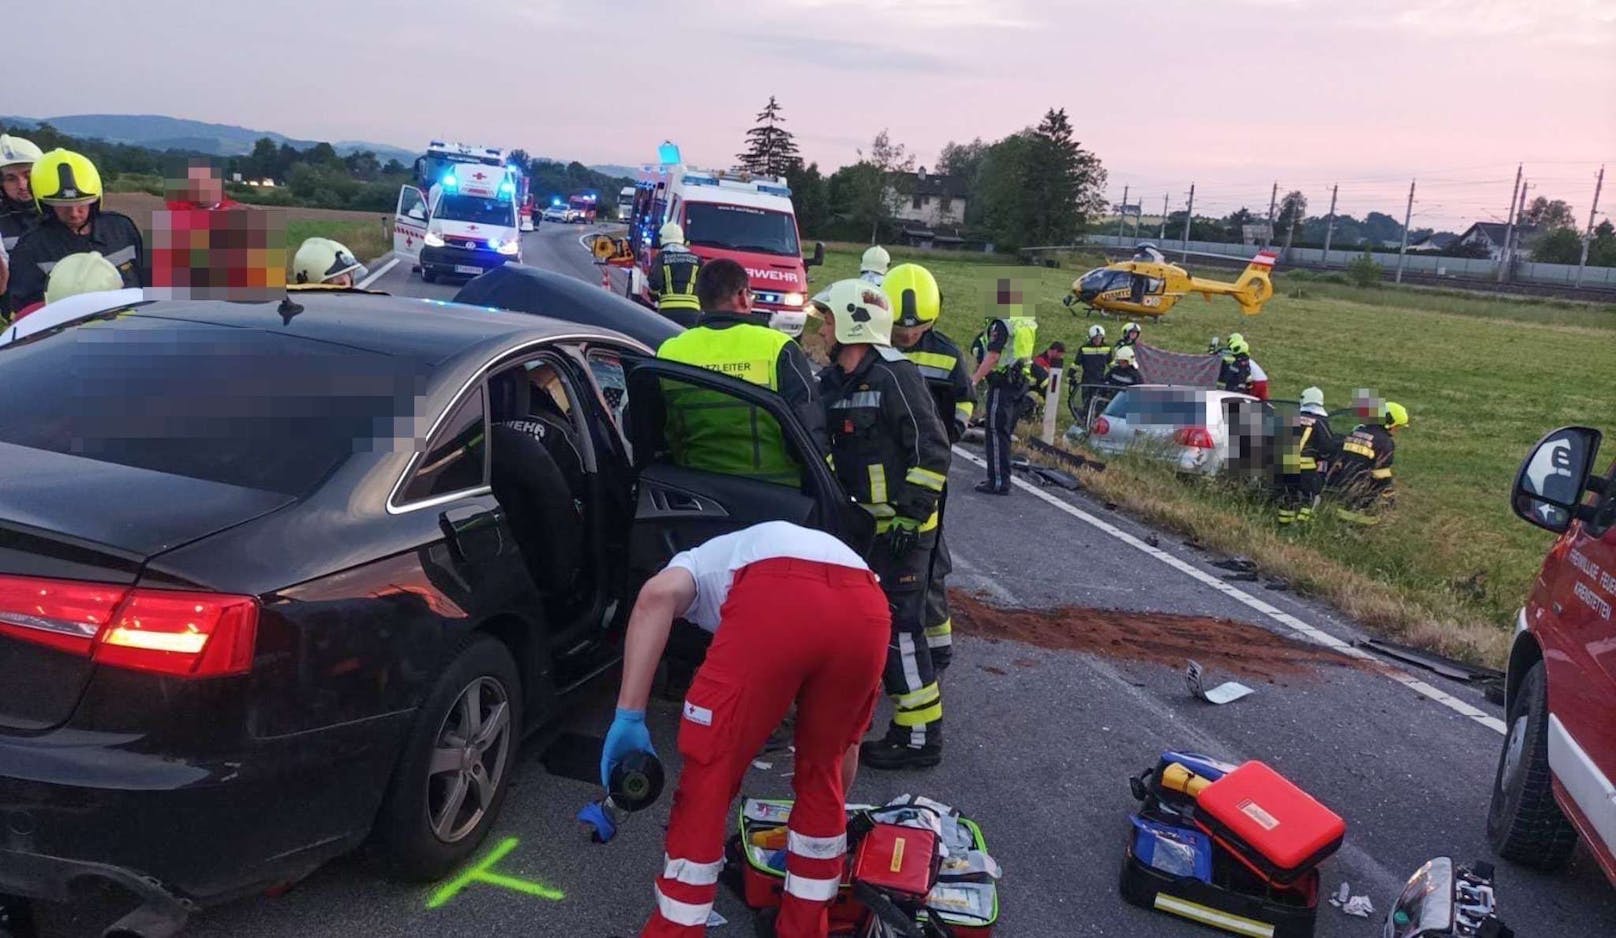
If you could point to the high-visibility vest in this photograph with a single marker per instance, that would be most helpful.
(713, 431)
(1018, 351)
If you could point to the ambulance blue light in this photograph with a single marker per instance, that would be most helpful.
(507, 188)
(668, 153)
(449, 180)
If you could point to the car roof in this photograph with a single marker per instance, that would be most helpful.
(539, 292)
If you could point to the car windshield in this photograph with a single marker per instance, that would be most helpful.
(477, 210)
(242, 407)
(1174, 407)
(739, 228)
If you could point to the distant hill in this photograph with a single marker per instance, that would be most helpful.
(160, 132)
(615, 169)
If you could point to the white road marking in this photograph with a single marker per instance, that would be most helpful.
(376, 274)
(1309, 632)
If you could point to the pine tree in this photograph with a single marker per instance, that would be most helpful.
(770, 148)
(1064, 182)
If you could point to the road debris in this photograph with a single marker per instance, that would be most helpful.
(1227, 692)
(1351, 904)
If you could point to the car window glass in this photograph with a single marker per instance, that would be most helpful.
(455, 461)
(607, 367)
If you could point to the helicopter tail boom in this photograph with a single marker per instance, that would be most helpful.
(1251, 289)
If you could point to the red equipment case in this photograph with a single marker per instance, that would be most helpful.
(1276, 829)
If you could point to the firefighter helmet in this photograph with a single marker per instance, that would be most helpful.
(912, 291)
(1123, 355)
(18, 151)
(62, 177)
(1096, 331)
(861, 312)
(1238, 344)
(88, 272)
(1394, 415)
(320, 260)
(671, 233)
(1312, 397)
(1130, 327)
(875, 260)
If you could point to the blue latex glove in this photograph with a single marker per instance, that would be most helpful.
(628, 734)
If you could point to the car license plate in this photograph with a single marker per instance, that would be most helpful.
(468, 269)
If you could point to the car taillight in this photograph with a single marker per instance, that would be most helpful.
(1102, 426)
(1195, 438)
(181, 634)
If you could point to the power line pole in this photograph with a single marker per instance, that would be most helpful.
(1329, 226)
(1122, 215)
(1592, 214)
(1509, 228)
(1408, 216)
(1189, 215)
(1290, 233)
(1273, 199)
(1162, 237)
(1516, 230)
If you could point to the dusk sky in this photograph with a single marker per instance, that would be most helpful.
(1228, 94)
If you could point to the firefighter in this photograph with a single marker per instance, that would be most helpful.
(1130, 335)
(891, 453)
(19, 213)
(798, 617)
(1363, 472)
(1235, 375)
(1011, 337)
(673, 277)
(1124, 371)
(916, 302)
(1313, 446)
(712, 431)
(1093, 359)
(873, 265)
(322, 262)
(69, 185)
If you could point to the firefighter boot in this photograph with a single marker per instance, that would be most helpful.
(893, 751)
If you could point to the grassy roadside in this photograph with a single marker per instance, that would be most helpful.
(1483, 378)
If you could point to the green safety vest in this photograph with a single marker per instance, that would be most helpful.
(713, 431)
(1019, 350)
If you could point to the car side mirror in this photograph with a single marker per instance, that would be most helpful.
(819, 255)
(1553, 477)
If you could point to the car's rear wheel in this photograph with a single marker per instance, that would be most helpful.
(455, 768)
(1523, 822)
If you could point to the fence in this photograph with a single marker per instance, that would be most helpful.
(1457, 268)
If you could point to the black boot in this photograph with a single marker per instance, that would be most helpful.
(893, 752)
(988, 488)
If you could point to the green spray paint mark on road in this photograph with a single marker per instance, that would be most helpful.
(481, 872)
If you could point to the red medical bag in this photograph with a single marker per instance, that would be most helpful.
(899, 861)
(1267, 823)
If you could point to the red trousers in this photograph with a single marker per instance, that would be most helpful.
(793, 630)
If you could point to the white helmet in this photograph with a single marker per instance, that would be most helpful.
(1123, 356)
(81, 273)
(875, 260)
(861, 312)
(1096, 331)
(16, 151)
(1313, 397)
(320, 260)
(671, 233)
(1130, 327)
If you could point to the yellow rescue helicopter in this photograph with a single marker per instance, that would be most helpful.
(1147, 285)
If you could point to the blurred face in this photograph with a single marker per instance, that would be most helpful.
(827, 328)
(74, 217)
(341, 280)
(907, 336)
(14, 180)
(202, 187)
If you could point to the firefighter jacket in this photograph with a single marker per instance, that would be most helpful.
(1124, 376)
(16, 220)
(1318, 443)
(1235, 375)
(713, 431)
(948, 378)
(1093, 360)
(1364, 469)
(887, 446)
(112, 235)
(673, 280)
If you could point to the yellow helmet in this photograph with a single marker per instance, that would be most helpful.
(875, 260)
(18, 151)
(1238, 345)
(862, 314)
(62, 177)
(321, 259)
(88, 272)
(1394, 415)
(913, 292)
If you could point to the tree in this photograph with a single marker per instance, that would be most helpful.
(262, 162)
(883, 193)
(363, 164)
(1001, 192)
(810, 198)
(1064, 182)
(770, 148)
(1363, 271)
(1291, 208)
(1548, 215)
(1560, 246)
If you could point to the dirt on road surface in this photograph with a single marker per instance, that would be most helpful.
(1222, 645)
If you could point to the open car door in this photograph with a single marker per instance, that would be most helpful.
(409, 223)
(679, 507)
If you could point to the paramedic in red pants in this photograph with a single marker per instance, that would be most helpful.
(796, 616)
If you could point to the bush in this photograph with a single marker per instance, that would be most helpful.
(1363, 271)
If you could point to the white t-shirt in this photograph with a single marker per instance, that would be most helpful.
(713, 564)
(1257, 374)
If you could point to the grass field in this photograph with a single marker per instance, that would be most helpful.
(360, 231)
(1483, 377)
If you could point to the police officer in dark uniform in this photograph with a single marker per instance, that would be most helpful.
(890, 451)
(1011, 338)
(673, 277)
(19, 213)
(917, 302)
(68, 188)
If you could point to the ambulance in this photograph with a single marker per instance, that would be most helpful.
(466, 223)
(726, 214)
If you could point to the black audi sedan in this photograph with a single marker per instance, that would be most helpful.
(277, 579)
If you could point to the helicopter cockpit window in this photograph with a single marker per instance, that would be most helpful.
(1104, 280)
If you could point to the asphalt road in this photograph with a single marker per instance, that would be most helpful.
(1040, 744)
